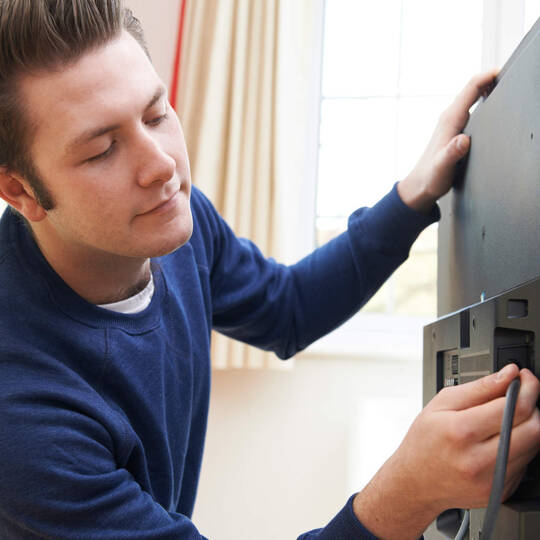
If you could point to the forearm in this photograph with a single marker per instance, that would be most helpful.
(285, 309)
(391, 507)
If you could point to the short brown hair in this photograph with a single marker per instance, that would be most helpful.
(37, 35)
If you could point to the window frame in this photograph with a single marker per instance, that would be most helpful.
(370, 335)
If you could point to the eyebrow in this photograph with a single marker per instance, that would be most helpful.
(92, 133)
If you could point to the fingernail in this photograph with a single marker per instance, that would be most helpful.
(503, 372)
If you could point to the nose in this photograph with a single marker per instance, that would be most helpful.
(153, 163)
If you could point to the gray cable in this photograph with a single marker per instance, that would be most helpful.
(464, 527)
(500, 464)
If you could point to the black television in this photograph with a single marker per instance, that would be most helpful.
(489, 234)
(489, 266)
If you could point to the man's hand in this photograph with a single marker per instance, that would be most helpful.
(432, 176)
(447, 458)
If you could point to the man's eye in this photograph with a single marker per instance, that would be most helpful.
(103, 155)
(156, 121)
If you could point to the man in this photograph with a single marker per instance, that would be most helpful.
(114, 269)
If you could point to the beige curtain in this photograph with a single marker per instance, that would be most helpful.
(244, 87)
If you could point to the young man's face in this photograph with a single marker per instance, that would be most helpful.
(110, 150)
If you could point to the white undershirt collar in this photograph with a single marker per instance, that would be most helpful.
(133, 304)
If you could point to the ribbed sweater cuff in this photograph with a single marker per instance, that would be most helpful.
(346, 526)
(392, 219)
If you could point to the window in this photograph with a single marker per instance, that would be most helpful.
(371, 133)
(532, 12)
(389, 70)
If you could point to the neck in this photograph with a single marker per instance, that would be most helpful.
(97, 276)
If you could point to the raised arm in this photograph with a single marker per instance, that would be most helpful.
(284, 309)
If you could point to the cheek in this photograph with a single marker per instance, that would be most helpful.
(107, 185)
(178, 147)
(95, 209)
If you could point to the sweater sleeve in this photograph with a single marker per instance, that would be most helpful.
(344, 526)
(285, 308)
(63, 477)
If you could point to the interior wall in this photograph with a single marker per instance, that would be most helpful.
(159, 20)
(285, 449)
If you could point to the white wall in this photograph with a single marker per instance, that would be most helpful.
(159, 19)
(285, 449)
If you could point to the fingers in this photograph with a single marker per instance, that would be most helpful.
(475, 393)
(478, 463)
(456, 115)
(515, 472)
(524, 440)
(458, 433)
(475, 88)
(527, 397)
(511, 485)
(524, 445)
(518, 465)
(485, 420)
(454, 151)
(432, 176)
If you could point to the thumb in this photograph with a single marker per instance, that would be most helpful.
(476, 392)
(455, 150)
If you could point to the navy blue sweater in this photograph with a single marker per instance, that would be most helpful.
(103, 415)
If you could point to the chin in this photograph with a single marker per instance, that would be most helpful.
(172, 241)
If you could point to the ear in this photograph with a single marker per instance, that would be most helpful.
(17, 193)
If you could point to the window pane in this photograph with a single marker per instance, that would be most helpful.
(441, 43)
(361, 47)
(411, 58)
(415, 282)
(412, 289)
(328, 228)
(532, 12)
(357, 154)
(417, 118)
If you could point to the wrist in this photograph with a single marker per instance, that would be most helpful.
(391, 508)
(415, 195)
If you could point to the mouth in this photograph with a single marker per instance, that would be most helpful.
(164, 206)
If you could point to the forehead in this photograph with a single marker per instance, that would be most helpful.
(113, 80)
